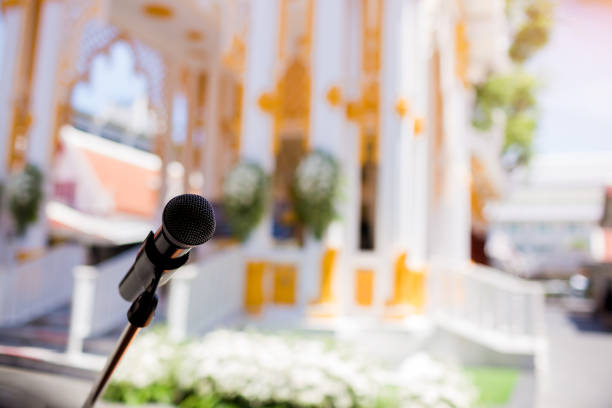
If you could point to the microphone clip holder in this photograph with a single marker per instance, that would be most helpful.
(139, 315)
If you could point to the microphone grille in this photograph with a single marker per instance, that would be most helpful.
(190, 219)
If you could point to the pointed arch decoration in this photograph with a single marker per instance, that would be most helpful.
(293, 89)
(462, 45)
(233, 61)
(88, 36)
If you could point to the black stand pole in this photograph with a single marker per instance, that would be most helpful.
(139, 316)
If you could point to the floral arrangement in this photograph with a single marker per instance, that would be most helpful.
(315, 189)
(250, 369)
(23, 193)
(245, 198)
(145, 373)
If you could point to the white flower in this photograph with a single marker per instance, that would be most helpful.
(242, 183)
(148, 360)
(316, 176)
(429, 382)
(305, 372)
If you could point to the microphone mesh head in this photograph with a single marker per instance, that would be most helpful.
(190, 219)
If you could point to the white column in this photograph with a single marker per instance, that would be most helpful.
(44, 87)
(188, 146)
(256, 143)
(419, 88)
(420, 199)
(43, 105)
(455, 216)
(12, 21)
(395, 129)
(350, 157)
(83, 297)
(395, 143)
(211, 134)
(327, 124)
(178, 302)
(165, 144)
(328, 70)
(257, 126)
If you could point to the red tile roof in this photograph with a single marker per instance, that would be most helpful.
(133, 188)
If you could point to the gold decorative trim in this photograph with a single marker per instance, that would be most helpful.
(334, 96)
(6, 4)
(462, 45)
(419, 126)
(22, 117)
(267, 102)
(234, 59)
(293, 86)
(194, 35)
(157, 10)
(354, 111)
(372, 13)
(402, 107)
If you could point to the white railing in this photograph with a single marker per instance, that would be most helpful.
(502, 311)
(32, 288)
(205, 293)
(96, 304)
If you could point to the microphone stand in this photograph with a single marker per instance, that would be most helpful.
(139, 315)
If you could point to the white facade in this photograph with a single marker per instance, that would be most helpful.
(378, 84)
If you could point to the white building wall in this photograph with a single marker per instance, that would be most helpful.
(257, 126)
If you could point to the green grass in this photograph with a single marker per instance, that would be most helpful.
(495, 384)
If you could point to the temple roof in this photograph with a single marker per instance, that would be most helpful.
(103, 191)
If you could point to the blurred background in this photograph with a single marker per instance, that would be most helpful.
(413, 200)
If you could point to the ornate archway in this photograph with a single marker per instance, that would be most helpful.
(90, 37)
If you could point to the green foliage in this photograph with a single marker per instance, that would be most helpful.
(514, 95)
(214, 401)
(495, 385)
(24, 194)
(245, 193)
(534, 33)
(315, 190)
(131, 395)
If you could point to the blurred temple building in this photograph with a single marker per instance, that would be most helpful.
(549, 224)
(383, 86)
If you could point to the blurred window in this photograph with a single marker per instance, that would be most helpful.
(112, 100)
(291, 150)
(367, 225)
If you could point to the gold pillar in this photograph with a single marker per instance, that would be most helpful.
(254, 292)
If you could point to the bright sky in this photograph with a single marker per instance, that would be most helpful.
(112, 79)
(576, 74)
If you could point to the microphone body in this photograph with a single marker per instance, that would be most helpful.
(188, 220)
(155, 254)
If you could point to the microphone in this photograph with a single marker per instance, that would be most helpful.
(188, 220)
